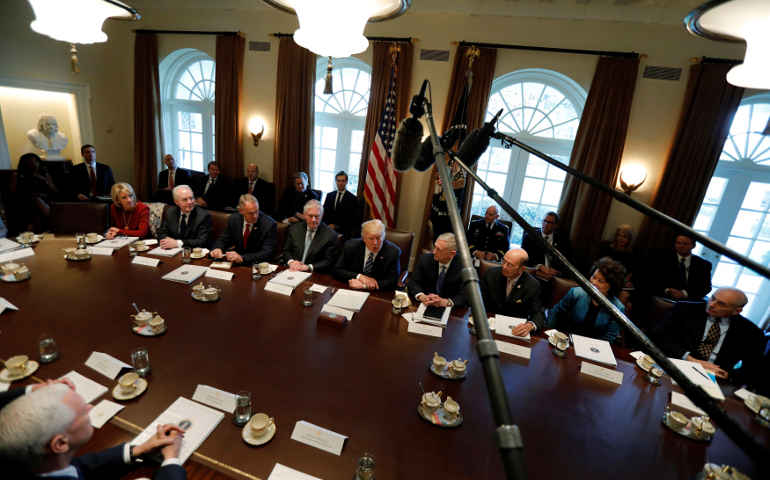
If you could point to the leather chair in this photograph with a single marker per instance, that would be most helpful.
(282, 228)
(404, 241)
(218, 223)
(72, 217)
(559, 288)
(507, 223)
(485, 265)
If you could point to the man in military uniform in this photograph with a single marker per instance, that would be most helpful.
(488, 237)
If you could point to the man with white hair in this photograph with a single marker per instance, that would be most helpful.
(185, 224)
(511, 291)
(41, 431)
(311, 246)
(369, 262)
(436, 279)
(250, 236)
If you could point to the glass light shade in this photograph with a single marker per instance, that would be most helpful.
(736, 21)
(256, 125)
(77, 21)
(632, 177)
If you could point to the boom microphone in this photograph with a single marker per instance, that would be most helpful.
(477, 142)
(406, 145)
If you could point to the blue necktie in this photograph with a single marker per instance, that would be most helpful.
(369, 265)
(440, 279)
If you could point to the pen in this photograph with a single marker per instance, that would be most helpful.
(701, 373)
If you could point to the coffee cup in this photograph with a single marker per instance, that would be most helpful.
(704, 425)
(264, 268)
(197, 251)
(142, 317)
(17, 364)
(128, 382)
(260, 423)
(451, 406)
(9, 267)
(210, 293)
(560, 337)
(439, 362)
(199, 288)
(646, 362)
(92, 237)
(157, 324)
(26, 237)
(677, 419)
(458, 366)
(431, 400)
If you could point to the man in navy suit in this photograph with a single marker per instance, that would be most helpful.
(170, 178)
(546, 267)
(311, 246)
(436, 279)
(91, 179)
(214, 190)
(251, 237)
(42, 430)
(185, 224)
(680, 274)
(369, 262)
(341, 210)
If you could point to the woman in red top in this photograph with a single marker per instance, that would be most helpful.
(128, 216)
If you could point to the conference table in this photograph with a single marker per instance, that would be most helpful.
(362, 380)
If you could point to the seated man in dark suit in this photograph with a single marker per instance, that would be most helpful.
(680, 274)
(488, 237)
(213, 192)
(546, 267)
(91, 179)
(369, 262)
(509, 290)
(717, 337)
(311, 246)
(294, 199)
(41, 431)
(251, 237)
(341, 208)
(170, 178)
(186, 224)
(253, 185)
(436, 278)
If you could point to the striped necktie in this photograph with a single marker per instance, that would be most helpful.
(369, 265)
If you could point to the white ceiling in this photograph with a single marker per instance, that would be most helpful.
(670, 12)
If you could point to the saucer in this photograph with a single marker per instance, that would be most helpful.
(141, 386)
(251, 439)
(5, 375)
(756, 402)
(73, 258)
(440, 418)
(143, 248)
(641, 365)
(201, 298)
(202, 255)
(99, 238)
(12, 278)
(33, 240)
(147, 331)
(447, 373)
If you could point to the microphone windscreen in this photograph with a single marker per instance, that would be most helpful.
(474, 145)
(426, 159)
(406, 145)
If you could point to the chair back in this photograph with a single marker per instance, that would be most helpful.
(559, 288)
(72, 217)
(404, 241)
(485, 265)
(218, 223)
(507, 223)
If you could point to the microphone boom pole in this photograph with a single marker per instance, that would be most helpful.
(508, 437)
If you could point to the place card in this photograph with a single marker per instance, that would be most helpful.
(150, 241)
(424, 329)
(282, 472)
(408, 316)
(85, 387)
(215, 397)
(5, 304)
(278, 288)
(219, 274)
(102, 412)
(513, 349)
(337, 311)
(637, 354)
(683, 403)
(23, 253)
(601, 373)
(107, 365)
(4, 386)
(315, 436)
(223, 265)
(150, 262)
(742, 393)
(164, 252)
(490, 322)
(318, 288)
(100, 251)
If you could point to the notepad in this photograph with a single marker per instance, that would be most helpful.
(163, 252)
(185, 274)
(291, 279)
(504, 326)
(117, 242)
(349, 299)
(699, 376)
(595, 350)
(150, 262)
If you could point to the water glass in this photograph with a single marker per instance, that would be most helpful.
(140, 359)
(365, 470)
(47, 348)
(308, 298)
(186, 255)
(255, 272)
(242, 408)
(80, 239)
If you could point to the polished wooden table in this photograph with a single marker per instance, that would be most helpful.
(360, 380)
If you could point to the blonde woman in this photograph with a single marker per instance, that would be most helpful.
(128, 216)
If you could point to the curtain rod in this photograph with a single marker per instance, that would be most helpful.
(715, 60)
(374, 39)
(185, 32)
(551, 49)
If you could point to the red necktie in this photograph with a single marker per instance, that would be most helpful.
(246, 235)
(93, 180)
(171, 179)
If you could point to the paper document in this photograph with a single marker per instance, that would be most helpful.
(318, 437)
(117, 242)
(99, 251)
(425, 329)
(4, 386)
(318, 288)
(105, 364)
(595, 350)
(504, 326)
(150, 262)
(431, 315)
(23, 253)
(349, 299)
(162, 252)
(278, 288)
(202, 421)
(212, 273)
(7, 244)
(102, 412)
(222, 265)
(291, 279)
(185, 274)
(282, 472)
(681, 402)
(490, 322)
(5, 304)
(742, 393)
(215, 397)
(699, 376)
(87, 388)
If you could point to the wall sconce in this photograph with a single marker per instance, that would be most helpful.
(632, 177)
(256, 129)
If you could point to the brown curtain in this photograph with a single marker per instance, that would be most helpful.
(709, 106)
(148, 136)
(228, 110)
(483, 69)
(381, 62)
(293, 112)
(597, 151)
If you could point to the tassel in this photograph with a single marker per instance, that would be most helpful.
(74, 58)
(328, 86)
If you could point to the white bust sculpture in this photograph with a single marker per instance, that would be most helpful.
(48, 138)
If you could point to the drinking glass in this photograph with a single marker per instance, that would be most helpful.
(47, 348)
(255, 272)
(80, 239)
(308, 298)
(140, 359)
(242, 408)
(186, 255)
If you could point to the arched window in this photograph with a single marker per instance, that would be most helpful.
(339, 122)
(541, 108)
(736, 209)
(187, 79)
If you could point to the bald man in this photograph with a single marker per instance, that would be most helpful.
(488, 237)
(509, 290)
(717, 337)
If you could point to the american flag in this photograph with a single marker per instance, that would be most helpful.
(380, 190)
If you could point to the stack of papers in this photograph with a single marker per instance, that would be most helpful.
(14, 254)
(6, 244)
(592, 349)
(352, 300)
(185, 274)
(432, 315)
(162, 252)
(290, 279)
(202, 421)
(117, 242)
(699, 376)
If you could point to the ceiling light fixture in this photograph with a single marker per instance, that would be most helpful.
(335, 28)
(737, 21)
